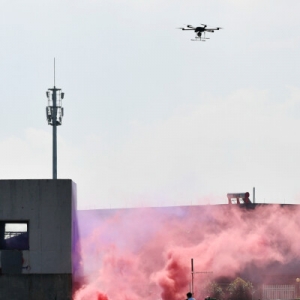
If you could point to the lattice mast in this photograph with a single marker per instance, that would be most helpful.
(54, 113)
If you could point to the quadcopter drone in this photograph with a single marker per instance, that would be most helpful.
(199, 31)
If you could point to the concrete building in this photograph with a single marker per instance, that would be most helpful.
(38, 234)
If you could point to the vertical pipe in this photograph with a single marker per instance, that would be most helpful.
(54, 160)
(192, 268)
(2, 235)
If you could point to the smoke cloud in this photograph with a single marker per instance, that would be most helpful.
(145, 253)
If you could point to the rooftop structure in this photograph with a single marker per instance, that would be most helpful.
(38, 232)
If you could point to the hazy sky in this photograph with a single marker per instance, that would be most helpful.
(152, 118)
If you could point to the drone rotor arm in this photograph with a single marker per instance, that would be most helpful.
(209, 29)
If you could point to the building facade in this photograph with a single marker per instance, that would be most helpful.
(38, 236)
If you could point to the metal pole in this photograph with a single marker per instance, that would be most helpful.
(54, 116)
(192, 267)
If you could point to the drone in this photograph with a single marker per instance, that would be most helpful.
(199, 31)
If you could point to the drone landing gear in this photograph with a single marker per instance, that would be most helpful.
(198, 39)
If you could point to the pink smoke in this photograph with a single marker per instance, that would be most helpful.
(146, 253)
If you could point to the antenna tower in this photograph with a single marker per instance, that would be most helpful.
(54, 113)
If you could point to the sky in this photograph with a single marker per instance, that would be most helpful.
(152, 118)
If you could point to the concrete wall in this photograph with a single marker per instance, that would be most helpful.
(36, 287)
(49, 206)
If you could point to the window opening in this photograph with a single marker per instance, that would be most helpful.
(14, 235)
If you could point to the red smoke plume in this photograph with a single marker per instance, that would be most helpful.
(146, 253)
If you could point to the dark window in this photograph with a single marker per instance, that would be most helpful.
(14, 235)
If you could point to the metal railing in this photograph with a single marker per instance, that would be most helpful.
(278, 291)
(10, 234)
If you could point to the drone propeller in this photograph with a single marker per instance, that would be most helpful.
(217, 28)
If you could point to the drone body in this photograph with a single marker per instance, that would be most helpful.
(199, 31)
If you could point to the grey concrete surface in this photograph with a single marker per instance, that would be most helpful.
(49, 207)
(36, 287)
